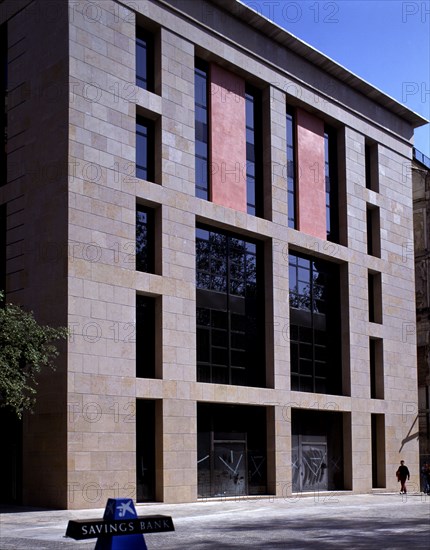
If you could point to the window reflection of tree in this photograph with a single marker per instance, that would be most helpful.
(230, 315)
(226, 264)
(144, 239)
(314, 325)
(312, 295)
(141, 240)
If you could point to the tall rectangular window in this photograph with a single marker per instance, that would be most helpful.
(3, 100)
(201, 130)
(378, 450)
(373, 231)
(144, 59)
(315, 334)
(331, 184)
(145, 337)
(230, 309)
(372, 168)
(376, 360)
(374, 288)
(144, 149)
(254, 184)
(146, 449)
(145, 239)
(291, 169)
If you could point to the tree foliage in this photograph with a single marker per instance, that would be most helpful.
(25, 349)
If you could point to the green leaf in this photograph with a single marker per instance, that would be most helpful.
(26, 348)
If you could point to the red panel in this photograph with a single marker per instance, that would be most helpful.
(227, 139)
(311, 175)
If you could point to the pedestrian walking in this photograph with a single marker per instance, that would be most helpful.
(425, 476)
(402, 474)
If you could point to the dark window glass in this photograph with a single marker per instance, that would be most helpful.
(144, 239)
(145, 450)
(144, 59)
(201, 130)
(144, 149)
(373, 369)
(254, 185)
(371, 297)
(373, 231)
(378, 450)
(3, 248)
(291, 169)
(314, 325)
(374, 297)
(230, 309)
(370, 232)
(331, 187)
(145, 337)
(3, 100)
(371, 166)
(368, 161)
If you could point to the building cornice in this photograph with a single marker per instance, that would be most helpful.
(320, 60)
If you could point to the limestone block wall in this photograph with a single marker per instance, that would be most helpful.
(102, 212)
(101, 274)
(87, 409)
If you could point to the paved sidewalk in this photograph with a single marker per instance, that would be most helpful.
(332, 521)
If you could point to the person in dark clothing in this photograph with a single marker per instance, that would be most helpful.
(402, 474)
(425, 475)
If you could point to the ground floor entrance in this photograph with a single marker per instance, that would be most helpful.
(309, 461)
(10, 458)
(235, 450)
(232, 455)
(317, 455)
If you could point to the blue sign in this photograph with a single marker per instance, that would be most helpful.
(121, 509)
(121, 528)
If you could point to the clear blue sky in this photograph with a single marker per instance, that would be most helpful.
(385, 42)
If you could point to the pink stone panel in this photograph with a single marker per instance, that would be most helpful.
(227, 143)
(311, 174)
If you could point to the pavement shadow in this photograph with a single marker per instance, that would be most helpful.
(318, 534)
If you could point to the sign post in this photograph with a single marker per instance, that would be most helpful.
(121, 528)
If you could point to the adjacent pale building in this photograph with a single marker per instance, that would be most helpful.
(223, 217)
(421, 196)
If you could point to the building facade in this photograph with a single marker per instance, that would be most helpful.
(421, 195)
(220, 215)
